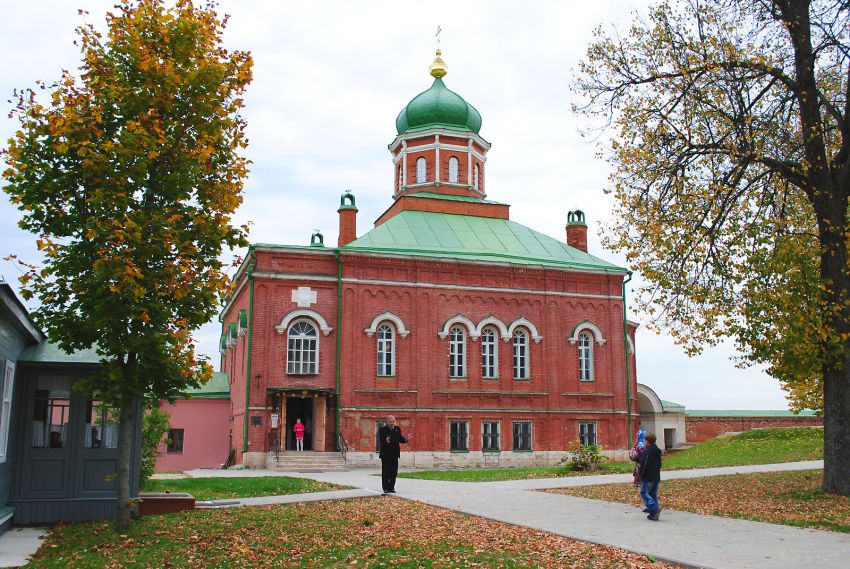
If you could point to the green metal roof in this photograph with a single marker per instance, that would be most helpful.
(671, 404)
(470, 238)
(51, 353)
(218, 387)
(451, 198)
(438, 107)
(748, 413)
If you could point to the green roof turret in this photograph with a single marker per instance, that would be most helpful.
(347, 197)
(438, 107)
(575, 217)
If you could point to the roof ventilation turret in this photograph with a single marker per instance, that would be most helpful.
(576, 230)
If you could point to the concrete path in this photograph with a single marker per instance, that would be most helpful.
(17, 544)
(690, 540)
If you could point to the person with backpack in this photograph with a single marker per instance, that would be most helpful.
(649, 469)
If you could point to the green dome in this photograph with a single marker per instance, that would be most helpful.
(438, 107)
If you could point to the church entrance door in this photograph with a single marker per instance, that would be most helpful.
(299, 408)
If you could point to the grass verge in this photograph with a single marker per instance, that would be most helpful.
(246, 487)
(373, 532)
(762, 446)
(787, 498)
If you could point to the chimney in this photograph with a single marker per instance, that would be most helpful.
(347, 219)
(577, 230)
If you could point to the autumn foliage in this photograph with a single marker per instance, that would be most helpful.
(731, 155)
(129, 173)
(367, 532)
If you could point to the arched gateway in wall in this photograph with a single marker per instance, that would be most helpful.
(665, 419)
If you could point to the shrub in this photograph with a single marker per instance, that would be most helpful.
(580, 457)
(155, 425)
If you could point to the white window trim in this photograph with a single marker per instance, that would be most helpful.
(587, 325)
(462, 356)
(454, 179)
(493, 321)
(498, 435)
(530, 435)
(595, 431)
(524, 323)
(397, 321)
(318, 350)
(424, 170)
(495, 374)
(6, 390)
(466, 442)
(458, 319)
(591, 375)
(283, 327)
(391, 351)
(526, 368)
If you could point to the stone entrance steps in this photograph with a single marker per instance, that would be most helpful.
(308, 461)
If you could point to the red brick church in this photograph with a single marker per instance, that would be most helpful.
(491, 342)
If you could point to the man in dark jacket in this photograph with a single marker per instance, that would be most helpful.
(390, 437)
(650, 474)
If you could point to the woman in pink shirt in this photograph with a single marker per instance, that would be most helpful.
(299, 435)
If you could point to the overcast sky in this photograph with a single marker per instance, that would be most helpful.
(329, 80)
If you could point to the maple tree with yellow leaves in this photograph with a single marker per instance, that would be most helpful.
(731, 148)
(130, 174)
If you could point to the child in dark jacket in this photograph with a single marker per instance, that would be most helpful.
(649, 470)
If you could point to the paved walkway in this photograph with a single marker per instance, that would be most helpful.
(690, 540)
(17, 544)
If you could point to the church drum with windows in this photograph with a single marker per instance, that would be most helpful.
(491, 342)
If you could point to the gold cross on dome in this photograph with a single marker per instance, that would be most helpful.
(439, 29)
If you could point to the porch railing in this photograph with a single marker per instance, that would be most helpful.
(273, 444)
(342, 446)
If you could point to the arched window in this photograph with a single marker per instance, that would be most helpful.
(475, 179)
(585, 357)
(489, 354)
(386, 350)
(520, 355)
(457, 352)
(453, 166)
(420, 170)
(302, 354)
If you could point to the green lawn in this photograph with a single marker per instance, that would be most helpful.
(242, 487)
(788, 498)
(763, 446)
(371, 532)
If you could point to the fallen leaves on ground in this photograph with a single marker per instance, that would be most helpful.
(371, 532)
(788, 498)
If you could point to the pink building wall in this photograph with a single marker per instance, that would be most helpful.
(206, 434)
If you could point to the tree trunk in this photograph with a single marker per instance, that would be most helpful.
(836, 433)
(836, 361)
(126, 430)
(829, 198)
